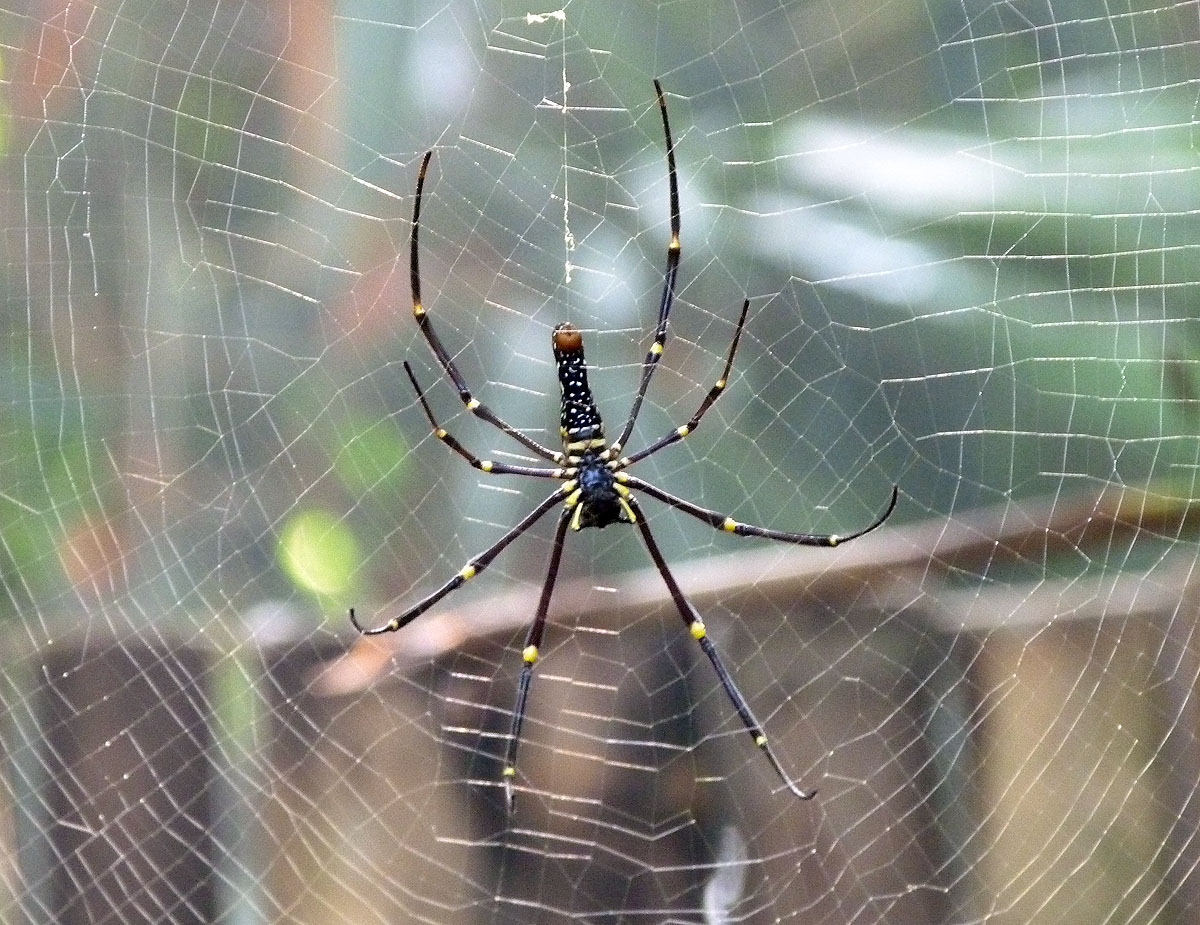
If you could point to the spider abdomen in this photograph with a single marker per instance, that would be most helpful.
(579, 423)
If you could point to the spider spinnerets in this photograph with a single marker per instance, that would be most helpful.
(595, 490)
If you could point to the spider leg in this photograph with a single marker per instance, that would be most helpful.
(468, 571)
(696, 627)
(473, 404)
(713, 394)
(529, 653)
(668, 292)
(484, 465)
(722, 522)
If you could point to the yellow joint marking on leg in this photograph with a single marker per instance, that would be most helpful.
(573, 493)
(683, 430)
(485, 465)
(530, 654)
(393, 625)
(472, 404)
(834, 539)
(696, 628)
(615, 449)
(656, 349)
(626, 508)
(440, 433)
(720, 384)
(730, 524)
(760, 740)
(674, 242)
(417, 309)
(468, 572)
(575, 523)
(621, 476)
(509, 771)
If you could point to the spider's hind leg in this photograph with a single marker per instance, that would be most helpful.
(529, 654)
(696, 627)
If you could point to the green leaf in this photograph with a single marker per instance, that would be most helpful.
(319, 553)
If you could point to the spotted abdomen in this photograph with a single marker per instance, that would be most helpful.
(579, 423)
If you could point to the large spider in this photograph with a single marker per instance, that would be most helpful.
(596, 488)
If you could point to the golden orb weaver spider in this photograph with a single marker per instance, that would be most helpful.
(596, 489)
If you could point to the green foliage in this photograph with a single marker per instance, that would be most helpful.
(319, 553)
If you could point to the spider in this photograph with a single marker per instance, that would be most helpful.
(597, 490)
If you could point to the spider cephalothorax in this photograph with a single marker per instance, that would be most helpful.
(595, 490)
(599, 499)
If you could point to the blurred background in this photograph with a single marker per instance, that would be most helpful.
(969, 235)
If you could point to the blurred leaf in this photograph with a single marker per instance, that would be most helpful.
(318, 552)
(371, 459)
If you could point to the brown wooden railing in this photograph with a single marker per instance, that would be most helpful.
(979, 730)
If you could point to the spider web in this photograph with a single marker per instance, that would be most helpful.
(969, 236)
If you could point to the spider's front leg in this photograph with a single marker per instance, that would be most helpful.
(473, 404)
(672, 270)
